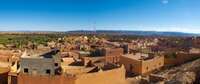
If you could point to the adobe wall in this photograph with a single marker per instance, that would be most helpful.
(4, 58)
(112, 59)
(113, 55)
(114, 76)
(34, 68)
(180, 59)
(152, 64)
(114, 52)
(136, 65)
(5, 55)
(142, 67)
(92, 59)
(27, 79)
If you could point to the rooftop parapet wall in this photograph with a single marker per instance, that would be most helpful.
(114, 76)
(47, 63)
(101, 77)
(152, 64)
(131, 65)
(113, 51)
(30, 79)
(137, 66)
(180, 58)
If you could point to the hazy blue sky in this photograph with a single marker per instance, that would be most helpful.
(64, 15)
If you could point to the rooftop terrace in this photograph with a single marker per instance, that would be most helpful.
(138, 56)
(40, 54)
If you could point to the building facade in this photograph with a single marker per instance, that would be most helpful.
(140, 65)
(45, 64)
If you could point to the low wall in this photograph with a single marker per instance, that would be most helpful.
(27, 79)
(114, 76)
(131, 65)
(180, 59)
(152, 64)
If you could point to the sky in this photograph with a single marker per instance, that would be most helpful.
(67, 15)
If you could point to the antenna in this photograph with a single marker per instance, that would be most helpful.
(94, 27)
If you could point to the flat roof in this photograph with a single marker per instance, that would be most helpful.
(137, 56)
(39, 54)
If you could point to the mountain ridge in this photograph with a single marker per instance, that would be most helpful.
(110, 32)
(127, 32)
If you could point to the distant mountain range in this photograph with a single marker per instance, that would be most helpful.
(142, 33)
(109, 32)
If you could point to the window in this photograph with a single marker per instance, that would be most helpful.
(25, 70)
(48, 71)
(56, 64)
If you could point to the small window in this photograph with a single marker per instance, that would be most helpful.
(48, 71)
(25, 70)
(56, 64)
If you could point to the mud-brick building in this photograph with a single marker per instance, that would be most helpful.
(97, 77)
(140, 63)
(180, 58)
(43, 64)
(104, 55)
(41, 69)
(112, 55)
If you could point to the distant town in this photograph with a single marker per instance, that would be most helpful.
(99, 57)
